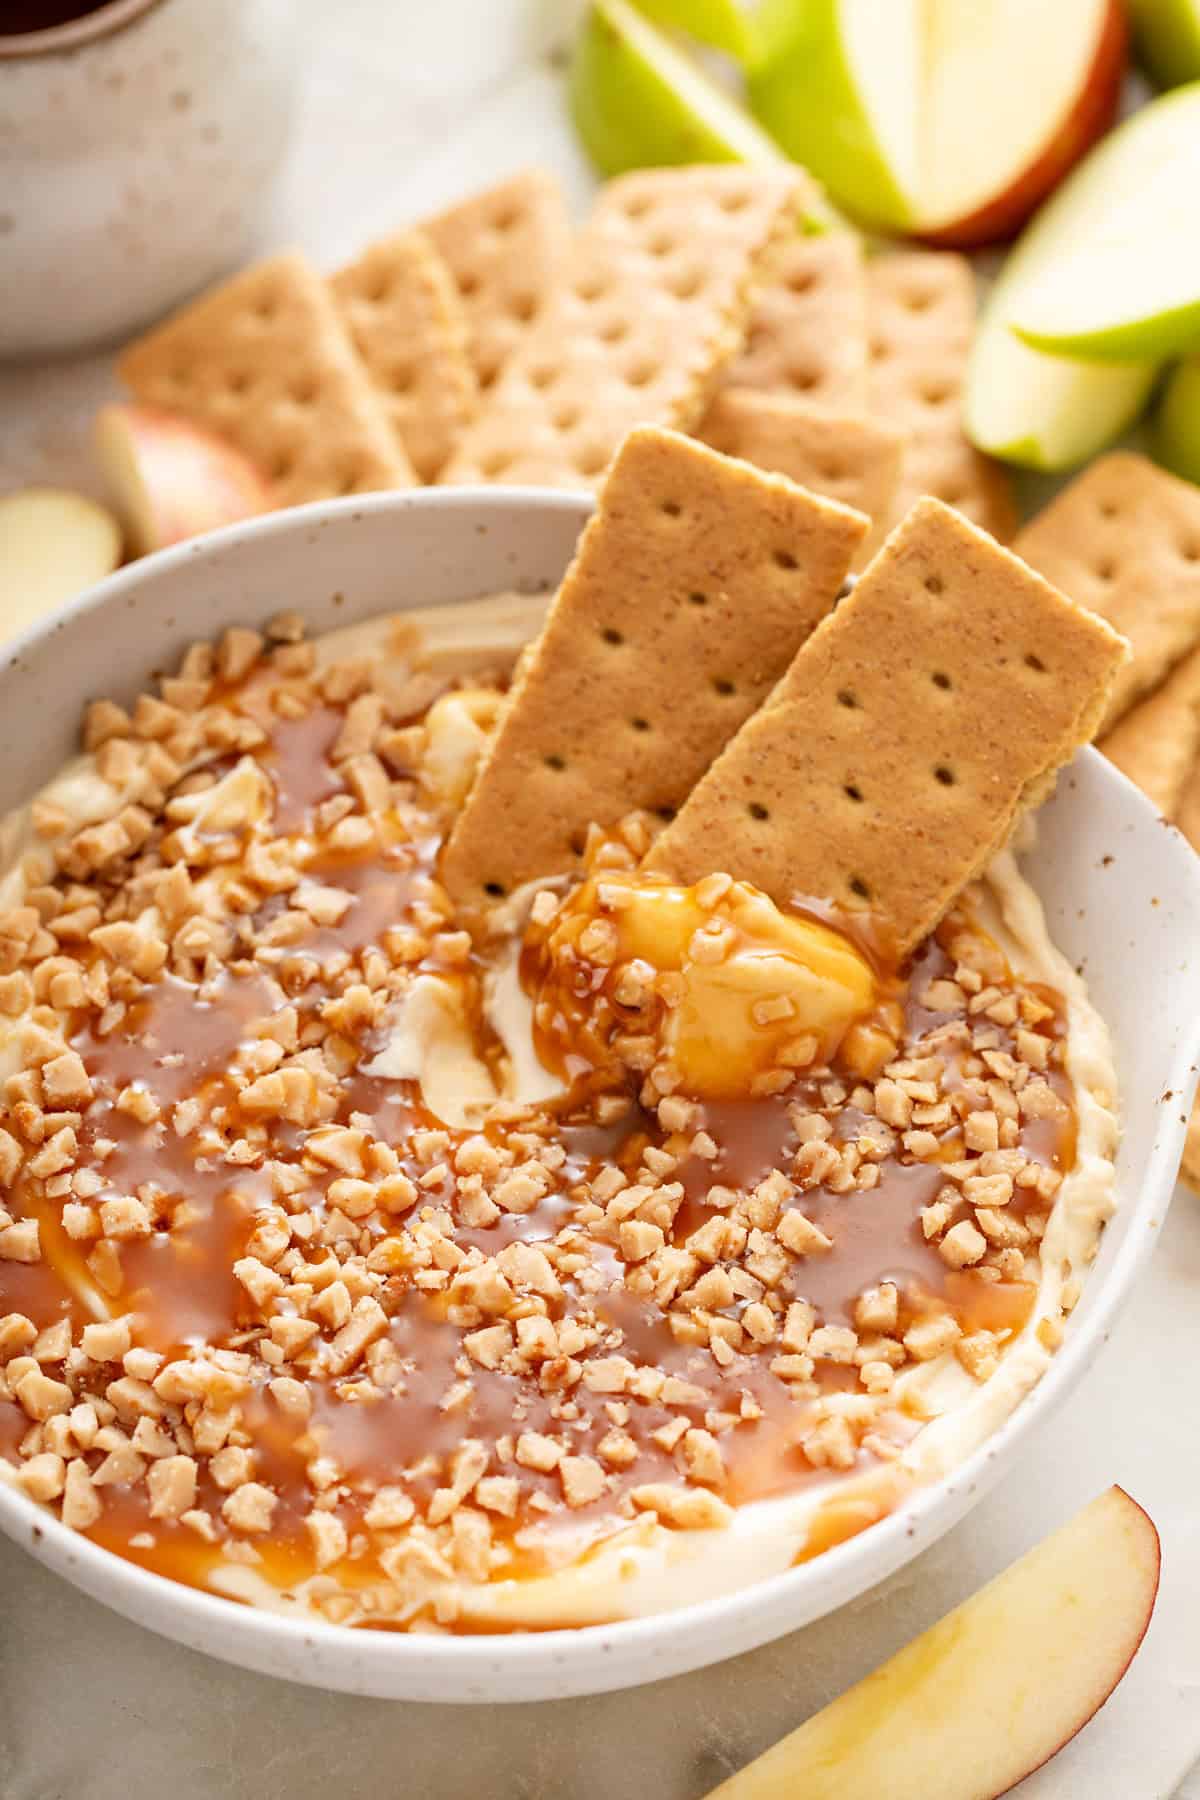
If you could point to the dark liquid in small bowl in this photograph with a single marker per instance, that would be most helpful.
(19, 16)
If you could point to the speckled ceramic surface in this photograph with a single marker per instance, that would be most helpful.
(135, 164)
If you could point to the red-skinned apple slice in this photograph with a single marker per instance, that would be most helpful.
(170, 480)
(944, 120)
(53, 544)
(991, 1691)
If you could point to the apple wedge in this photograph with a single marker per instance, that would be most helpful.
(53, 544)
(1026, 407)
(1176, 436)
(931, 117)
(991, 1691)
(1126, 284)
(639, 101)
(1167, 36)
(170, 480)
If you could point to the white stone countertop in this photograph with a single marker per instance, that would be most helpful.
(405, 106)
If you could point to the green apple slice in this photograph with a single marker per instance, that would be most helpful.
(638, 101)
(841, 95)
(1126, 287)
(1167, 33)
(1177, 424)
(725, 24)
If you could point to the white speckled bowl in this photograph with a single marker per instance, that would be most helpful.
(1122, 896)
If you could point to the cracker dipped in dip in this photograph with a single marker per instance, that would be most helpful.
(489, 1150)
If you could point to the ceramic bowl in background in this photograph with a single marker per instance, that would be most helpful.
(137, 148)
(1122, 897)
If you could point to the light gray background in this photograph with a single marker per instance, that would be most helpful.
(405, 107)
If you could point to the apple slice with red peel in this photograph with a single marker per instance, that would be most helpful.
(948, 121)
(53, 544)
(991, 1691)
(170, 480)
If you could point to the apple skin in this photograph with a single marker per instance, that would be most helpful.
(171, 480)
(992, 1691)
(1167, 39)
(806, 81)
(1176, 439)
(626, 111)
(1090, 117)
(723, 24)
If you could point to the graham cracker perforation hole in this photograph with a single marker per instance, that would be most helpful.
(859, 888)
(639, 724)
(665, 813)
(554, 762)
(934, 584)
(1108, 509)
(853, 792)
(611, 635)
(696, 598)
(1190, 552)
(941, 680)
(846, 698)
(468, 283)
(1035, 663)
(504, 220)
(523, 307)
(265, 308)
(783, 559)
(304, 391)
(577, 843)
(723, 686)
(1106, 569)
(672, 508)
(239, 382)
(945, 775)
(494, 889)
(757, 810)
(804, 380)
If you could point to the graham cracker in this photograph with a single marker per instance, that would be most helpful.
(915, 724)
(1124, 540)
(692, 587)
(406, 321)
(505, 249)
(921, 310)
(807, 333)
(846, 457)
(1158, 741)
(265, 362)
(652, 306)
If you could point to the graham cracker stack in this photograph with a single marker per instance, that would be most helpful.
(505, 250)
(652, 306)
(807, 334)
(406, 321)
(846, 457)
(265, 362)
(1158, 741)
(1124, 540)
(921, 313)
(914, 726)
(693, 585)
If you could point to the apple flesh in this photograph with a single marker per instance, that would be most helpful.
(639, 101)
(1126, 286)
(1177, 424)
(934, 118)
(1167, 36)
(1021, 404)
(53, 544)
(170, 480)
(994, 1689)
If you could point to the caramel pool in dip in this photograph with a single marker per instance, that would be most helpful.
(353, 1261)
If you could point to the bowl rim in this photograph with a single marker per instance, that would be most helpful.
(734, 1621)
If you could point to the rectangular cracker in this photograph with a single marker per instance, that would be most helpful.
(842, 455)
(651, 308)
(692, 587)
(921, 312)
(807, 333)
(1124, 540)
(265, 362)
(505, 249)
(407, 323)
(1157, 742)
(915, 724)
